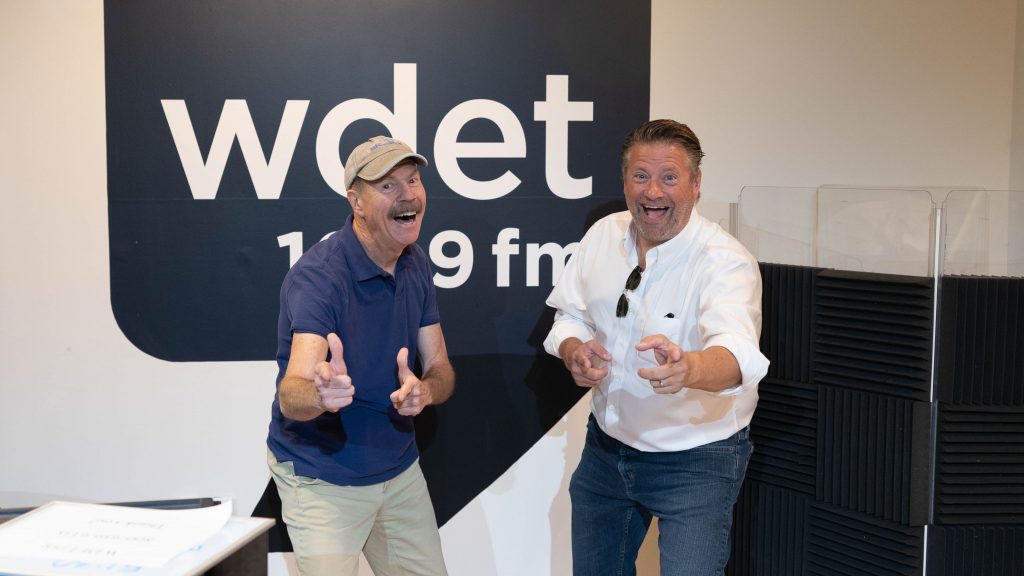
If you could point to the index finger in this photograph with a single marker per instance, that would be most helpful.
(658, 341)
(599, 350)
(659, 373)
(337, 354)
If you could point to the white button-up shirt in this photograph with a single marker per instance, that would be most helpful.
(700, 289)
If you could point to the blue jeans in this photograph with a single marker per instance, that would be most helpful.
(616, 490)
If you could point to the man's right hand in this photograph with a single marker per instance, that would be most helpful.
(586, 361)
(332, 380)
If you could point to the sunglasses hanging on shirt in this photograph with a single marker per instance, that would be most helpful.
(622, 308)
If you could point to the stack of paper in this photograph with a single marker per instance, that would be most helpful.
(63, 536)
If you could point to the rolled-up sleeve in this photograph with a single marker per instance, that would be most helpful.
(570, 309)
(730, 317)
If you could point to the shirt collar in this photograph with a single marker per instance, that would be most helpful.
(674, 246)
(362, 266)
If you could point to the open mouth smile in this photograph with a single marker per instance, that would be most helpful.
(654, 212)
(406, 217)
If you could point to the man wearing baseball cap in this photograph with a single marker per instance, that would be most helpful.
(355, 311)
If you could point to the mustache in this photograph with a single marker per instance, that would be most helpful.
(403, 207)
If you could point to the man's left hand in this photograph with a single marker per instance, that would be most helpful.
(674, 366)
(412, 395)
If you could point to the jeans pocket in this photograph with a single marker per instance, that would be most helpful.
(725, 459)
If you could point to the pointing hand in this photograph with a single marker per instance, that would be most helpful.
(412, 395)
(587, 362)
(332, 380)
(673, 370)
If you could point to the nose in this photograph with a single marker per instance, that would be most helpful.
(653, 189)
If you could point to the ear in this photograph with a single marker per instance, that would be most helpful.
(696, 183)
(355, 201)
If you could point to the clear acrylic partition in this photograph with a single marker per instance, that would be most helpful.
(777, 224)
(983, 233)
(888, 231)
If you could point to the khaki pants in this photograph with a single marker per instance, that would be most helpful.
(392, 523)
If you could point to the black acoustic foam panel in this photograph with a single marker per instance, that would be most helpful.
(982, 341)
(787, 320)
(784, 433)
(866, 445)
(976, 551)
(844, 543)
(873, 332)
(768, 531)
(979, 468)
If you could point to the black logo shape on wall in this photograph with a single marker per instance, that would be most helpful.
(227, 123)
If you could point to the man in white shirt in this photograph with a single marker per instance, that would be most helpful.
(659, 313)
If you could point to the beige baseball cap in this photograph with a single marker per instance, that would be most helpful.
(372, 159)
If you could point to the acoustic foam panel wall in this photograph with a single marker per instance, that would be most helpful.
(872, 365)
(841, 428)
(859, 346)
(979, 468)
(768, 530)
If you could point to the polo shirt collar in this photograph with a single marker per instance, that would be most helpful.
(362, 266)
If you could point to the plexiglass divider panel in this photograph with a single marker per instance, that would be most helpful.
(882, 230)
(984, 233)
(776, 224)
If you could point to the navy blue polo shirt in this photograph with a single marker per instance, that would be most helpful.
(336, 287)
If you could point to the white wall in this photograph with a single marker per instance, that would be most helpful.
(793, 93)
(806, 93)
(76, 395)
